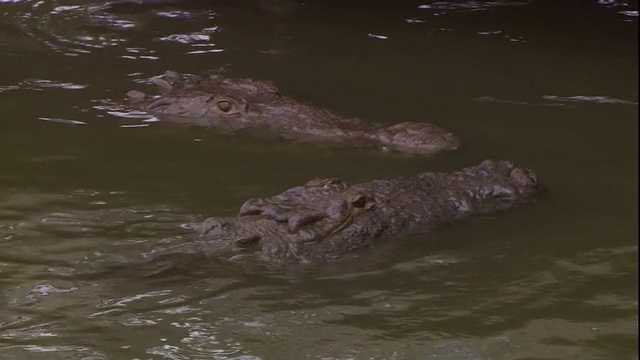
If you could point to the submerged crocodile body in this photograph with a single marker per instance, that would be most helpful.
(245, 105)
(326, 218)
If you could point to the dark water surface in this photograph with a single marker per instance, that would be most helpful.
(549, 85)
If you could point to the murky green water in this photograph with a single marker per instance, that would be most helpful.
(552, 86)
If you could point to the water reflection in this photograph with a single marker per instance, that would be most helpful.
(441, 7)
(560, 100)
(589, 99)
(66, 29)
(41, 84)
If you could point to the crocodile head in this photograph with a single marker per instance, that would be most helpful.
(212, 98)
(326, 218)
(255, 106)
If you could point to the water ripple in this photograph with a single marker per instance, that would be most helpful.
(73, 351)
(589, 99)
(443, 6)
(71, 224)
(83, 28)
(70, 30)
(41, 84)
(559, 100)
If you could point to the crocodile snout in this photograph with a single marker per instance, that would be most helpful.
(418, 138)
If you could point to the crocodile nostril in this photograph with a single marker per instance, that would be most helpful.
(299, 220)
(524, 176)
(532, 176)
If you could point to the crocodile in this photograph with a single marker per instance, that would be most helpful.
(253, 106)
(326, 219)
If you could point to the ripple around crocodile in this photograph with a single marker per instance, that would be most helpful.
(326, 218)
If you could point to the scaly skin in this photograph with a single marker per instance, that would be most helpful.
(326, 218)
(245, 105)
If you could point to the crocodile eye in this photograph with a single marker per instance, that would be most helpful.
(225, 105)
(359, 201)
